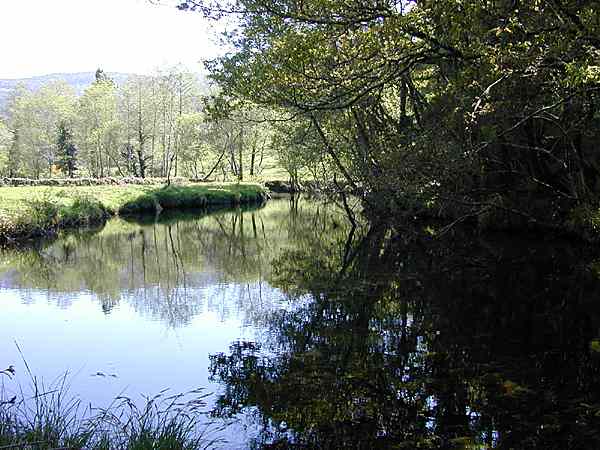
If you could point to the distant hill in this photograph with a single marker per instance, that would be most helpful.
(79, 82)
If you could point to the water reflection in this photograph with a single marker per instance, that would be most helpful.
(149, 300)
(321, 336)
(414, 342)
(170, 267)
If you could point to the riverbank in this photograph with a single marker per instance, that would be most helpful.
(33, 212)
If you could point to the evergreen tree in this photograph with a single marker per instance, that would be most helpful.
(102, 77)
(67, 151)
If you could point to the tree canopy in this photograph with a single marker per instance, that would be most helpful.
(489, 104)
(162, 125)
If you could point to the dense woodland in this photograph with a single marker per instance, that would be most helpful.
(483, 109)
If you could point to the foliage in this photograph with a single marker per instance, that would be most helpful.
(413, 101)
(159, 125)
(33, 120)
(66, 150)
(4, 147)
(98, 127)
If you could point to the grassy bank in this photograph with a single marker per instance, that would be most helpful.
(31, 212)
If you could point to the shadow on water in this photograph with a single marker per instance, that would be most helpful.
(411, 342)
(366, 339)
(172, 216)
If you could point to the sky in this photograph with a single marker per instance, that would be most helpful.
(39, 37)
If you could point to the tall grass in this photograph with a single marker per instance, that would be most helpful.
(47, 418)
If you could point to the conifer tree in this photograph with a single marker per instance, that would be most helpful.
(67, 151)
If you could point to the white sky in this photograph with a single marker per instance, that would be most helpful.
(39, 37)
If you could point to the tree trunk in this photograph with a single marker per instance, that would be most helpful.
(240, 153)
(141, 139)
(252, 159)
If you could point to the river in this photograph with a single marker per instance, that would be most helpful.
(308, 334)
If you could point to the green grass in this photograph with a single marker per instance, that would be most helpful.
(45, 417)
(30, 212)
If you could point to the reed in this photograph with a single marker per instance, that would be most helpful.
(47, 417)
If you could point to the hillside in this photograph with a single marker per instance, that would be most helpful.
(79, 81)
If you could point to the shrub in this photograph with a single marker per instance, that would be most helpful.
(83, 211)
(143, 203)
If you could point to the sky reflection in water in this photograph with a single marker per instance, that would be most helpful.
(317, 337)
(138, 308)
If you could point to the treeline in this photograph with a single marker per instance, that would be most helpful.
(485, 108)
(164, 125)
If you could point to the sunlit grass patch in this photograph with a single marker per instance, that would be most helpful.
(29, 212)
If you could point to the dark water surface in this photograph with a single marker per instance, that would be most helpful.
(312, 335)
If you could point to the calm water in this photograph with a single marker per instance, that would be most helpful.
(312, 335)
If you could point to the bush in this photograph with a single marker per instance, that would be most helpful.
(83, 211)
(143, 203)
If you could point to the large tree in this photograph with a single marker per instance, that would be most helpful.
(99, 130)
(33, 120)
(488, 104)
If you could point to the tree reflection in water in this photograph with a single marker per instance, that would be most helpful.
(378, 338)
(172, 266)
(414, 342)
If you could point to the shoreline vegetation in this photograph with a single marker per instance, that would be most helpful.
(32, 212)
(51, 419)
